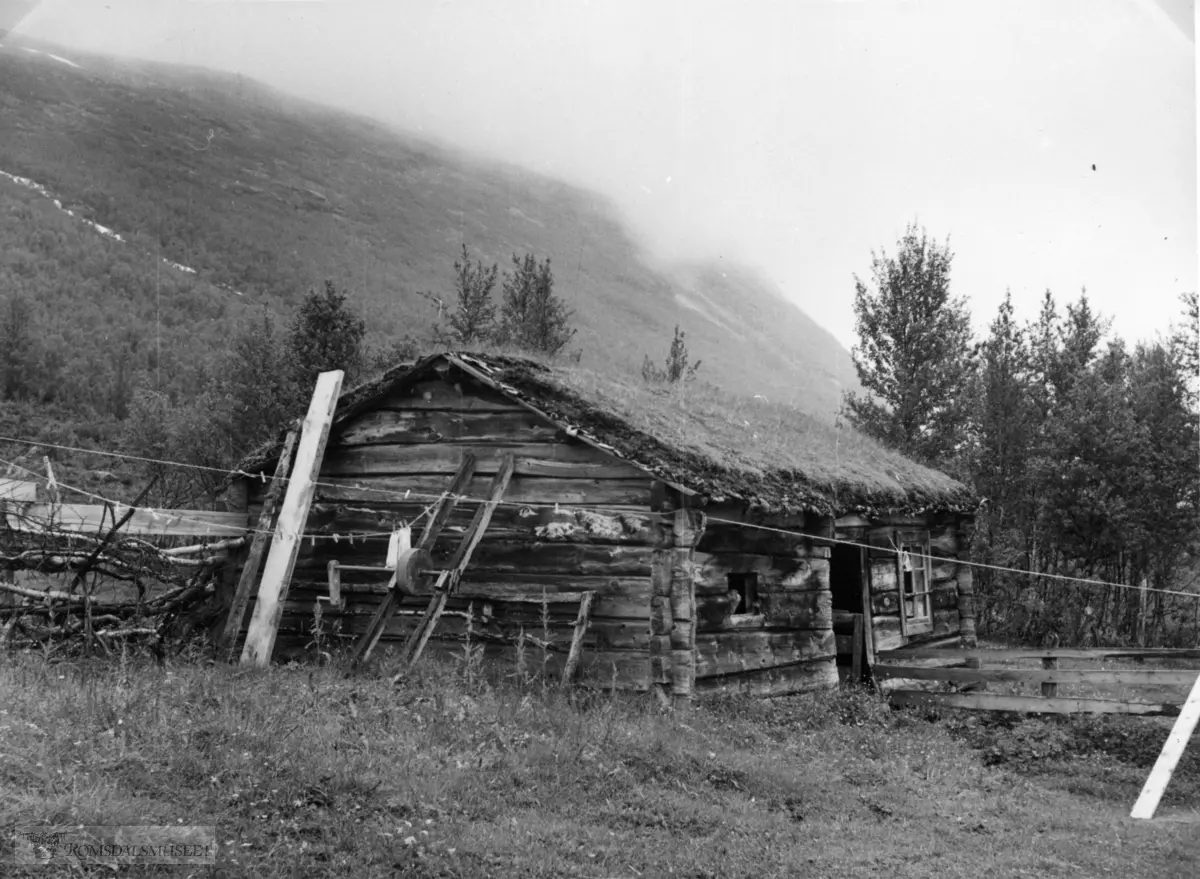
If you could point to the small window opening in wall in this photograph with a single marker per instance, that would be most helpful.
(745, 587)
(914, 568)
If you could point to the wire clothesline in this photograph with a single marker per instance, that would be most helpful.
(418, 496)
(896, 551)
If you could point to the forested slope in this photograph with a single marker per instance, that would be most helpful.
(268, 196)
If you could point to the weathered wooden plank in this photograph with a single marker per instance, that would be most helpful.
(504, 620)
(577, 638)
(498, 557)
(227, 640)
(1008, 655)
(1172, 750)
(523, 489)
(882, 540)
(886, 603)
(16, 490)
(1093, 676)
(886, 632)
(272, 591)
(843, 621)
(625, 598)
(563, 460)
(720, 653)
(713, 567)
(1027, 704)
(504, 556)
(775, 573)
(800, 677)
(388, 426)
(91, 518)
(884, 577)
(567, 523)
(857, 649)
(534, 524)
(809, 609)
(966, 605)
(943, 569)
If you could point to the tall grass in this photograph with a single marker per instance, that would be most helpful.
(313, 771)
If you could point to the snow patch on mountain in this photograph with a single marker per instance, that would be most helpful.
(103, 230)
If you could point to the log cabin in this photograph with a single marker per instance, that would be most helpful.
(724, 544)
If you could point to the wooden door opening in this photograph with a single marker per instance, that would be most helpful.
(846, 578)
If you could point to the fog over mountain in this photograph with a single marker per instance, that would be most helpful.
(1053, 143)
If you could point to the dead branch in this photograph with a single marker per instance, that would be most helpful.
(104, 541)
(182, 578)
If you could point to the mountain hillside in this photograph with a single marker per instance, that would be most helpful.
(198, 196)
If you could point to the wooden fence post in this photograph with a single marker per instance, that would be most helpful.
(859, 647)
(241, 594)
(1160, 775)
(687, 529)
(293, 515)
(1049, 690)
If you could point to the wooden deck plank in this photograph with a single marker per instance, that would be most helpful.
(1008, 655)
(1123, 677)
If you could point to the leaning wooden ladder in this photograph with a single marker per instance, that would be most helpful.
(438, 516)
(448, 579)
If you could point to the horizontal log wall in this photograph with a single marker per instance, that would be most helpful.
(884, 579)
(789, 646)
(799, 677)
(573, 518)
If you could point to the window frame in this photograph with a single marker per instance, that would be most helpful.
(916, 604)
(749, 592)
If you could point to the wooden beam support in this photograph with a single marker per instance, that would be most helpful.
(1094, 676)
(859, 649)
(864, 567)
(1172, 750)
(266, 520)
(581, 625)
(289, 530)
(438, 518)
(901, 654)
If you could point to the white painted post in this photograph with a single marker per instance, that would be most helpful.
(293, 515)
(1177, 741)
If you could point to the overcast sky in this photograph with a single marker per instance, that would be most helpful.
(793, 136)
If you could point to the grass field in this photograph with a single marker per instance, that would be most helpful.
(308, 771)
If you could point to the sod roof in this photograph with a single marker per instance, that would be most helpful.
(771, 457)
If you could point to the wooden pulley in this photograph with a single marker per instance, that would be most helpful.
(409, 565)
